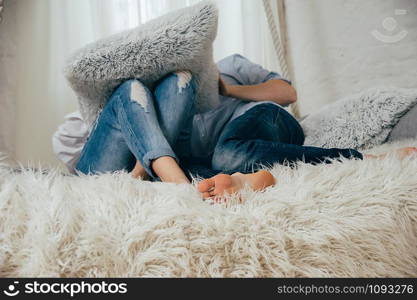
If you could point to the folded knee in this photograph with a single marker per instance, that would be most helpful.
(135, 91)
(184, 79)
(138, 94)
(178, 81)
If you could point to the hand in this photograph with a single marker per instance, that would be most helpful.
(223, 87)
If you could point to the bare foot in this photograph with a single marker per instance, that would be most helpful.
(223, 184)
(402, 153)
(139, 171)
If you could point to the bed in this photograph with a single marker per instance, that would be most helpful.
(348, 219)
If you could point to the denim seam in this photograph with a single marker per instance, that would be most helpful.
(154, 154)
(146, 162)
(132, 134)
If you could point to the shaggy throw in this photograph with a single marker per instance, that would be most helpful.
(359, 121)
(181, 40)
(351, 218)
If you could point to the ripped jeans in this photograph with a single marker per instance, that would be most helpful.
(137, 124)
(263, 136)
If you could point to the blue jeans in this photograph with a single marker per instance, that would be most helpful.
(137, 124)
(263, 136)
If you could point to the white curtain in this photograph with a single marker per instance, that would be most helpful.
(7, 79)
(48, 31)
(242, 29)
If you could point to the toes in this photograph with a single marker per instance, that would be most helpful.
(206, 195)
(206, 185)
(410, 150)
(216, 187)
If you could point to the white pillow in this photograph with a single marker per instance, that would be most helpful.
(359, 121)
(181, 40)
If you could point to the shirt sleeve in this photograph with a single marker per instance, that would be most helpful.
(69, 139)
(247, 72)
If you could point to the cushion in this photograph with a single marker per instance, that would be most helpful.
(406, 128)
(359, 121)
(176, 41)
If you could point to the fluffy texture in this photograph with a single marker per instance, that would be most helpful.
(406, 128)
(351, 218)
(359, 121)
(181, 40)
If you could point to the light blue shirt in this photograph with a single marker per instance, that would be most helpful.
(207, 127)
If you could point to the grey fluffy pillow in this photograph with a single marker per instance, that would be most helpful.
(360, 121)
(181, 40)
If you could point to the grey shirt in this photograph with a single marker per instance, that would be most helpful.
(68, 141)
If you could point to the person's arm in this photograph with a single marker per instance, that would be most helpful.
(275, 90)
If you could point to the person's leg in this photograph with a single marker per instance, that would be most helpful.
(265, 135)
(175, 106)
(131, 117)
(174, 101)
(249, 136)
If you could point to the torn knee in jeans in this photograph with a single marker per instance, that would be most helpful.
(184, 78)
(138, 94)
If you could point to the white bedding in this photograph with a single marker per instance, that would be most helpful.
(356, 218)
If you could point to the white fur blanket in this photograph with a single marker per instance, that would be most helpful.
(351, 218)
